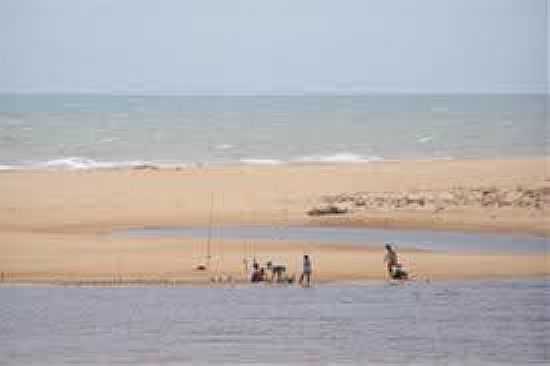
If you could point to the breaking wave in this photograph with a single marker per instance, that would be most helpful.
(261, 161)
(83, 163)
(339, 158)
(424, 139)
(76, 163)
(224, 147)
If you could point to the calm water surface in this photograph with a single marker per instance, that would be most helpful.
(443, 323)
(421, 239)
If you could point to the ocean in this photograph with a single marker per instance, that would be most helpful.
(503, 322)
(104, 131)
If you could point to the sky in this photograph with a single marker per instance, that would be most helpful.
(273, 46)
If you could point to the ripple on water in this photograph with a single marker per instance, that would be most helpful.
(444, 322)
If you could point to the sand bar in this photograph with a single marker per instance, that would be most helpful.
(54, 225)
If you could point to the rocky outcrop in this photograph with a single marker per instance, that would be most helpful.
(489, 197)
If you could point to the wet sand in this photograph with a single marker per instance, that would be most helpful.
(54, 226)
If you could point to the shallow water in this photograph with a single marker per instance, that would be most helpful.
(421, 239)
(443, 323)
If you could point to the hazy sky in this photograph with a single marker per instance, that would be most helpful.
(273, 46)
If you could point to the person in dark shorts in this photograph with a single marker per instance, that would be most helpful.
(306, 272)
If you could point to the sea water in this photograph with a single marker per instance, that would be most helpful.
(102, 131)
(503, 322)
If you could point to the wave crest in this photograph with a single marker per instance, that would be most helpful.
(75, 163)
(261, 161)
(339, 158)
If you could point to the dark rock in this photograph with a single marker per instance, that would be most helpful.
(145, 167)
(327, 210)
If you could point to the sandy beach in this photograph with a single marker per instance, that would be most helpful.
(55, 225)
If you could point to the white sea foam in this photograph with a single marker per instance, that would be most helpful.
(80, 163)
(343, 157)
(224, 147)
(261, 161)
(8, 167)
(424, 139)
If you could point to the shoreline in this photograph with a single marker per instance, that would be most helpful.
(248, 285)
(138, 165)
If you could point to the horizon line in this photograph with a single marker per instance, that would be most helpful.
(288, 94)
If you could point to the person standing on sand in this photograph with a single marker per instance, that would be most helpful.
(306, 273)
(390, 258)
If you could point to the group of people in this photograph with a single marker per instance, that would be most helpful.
(278, 272)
